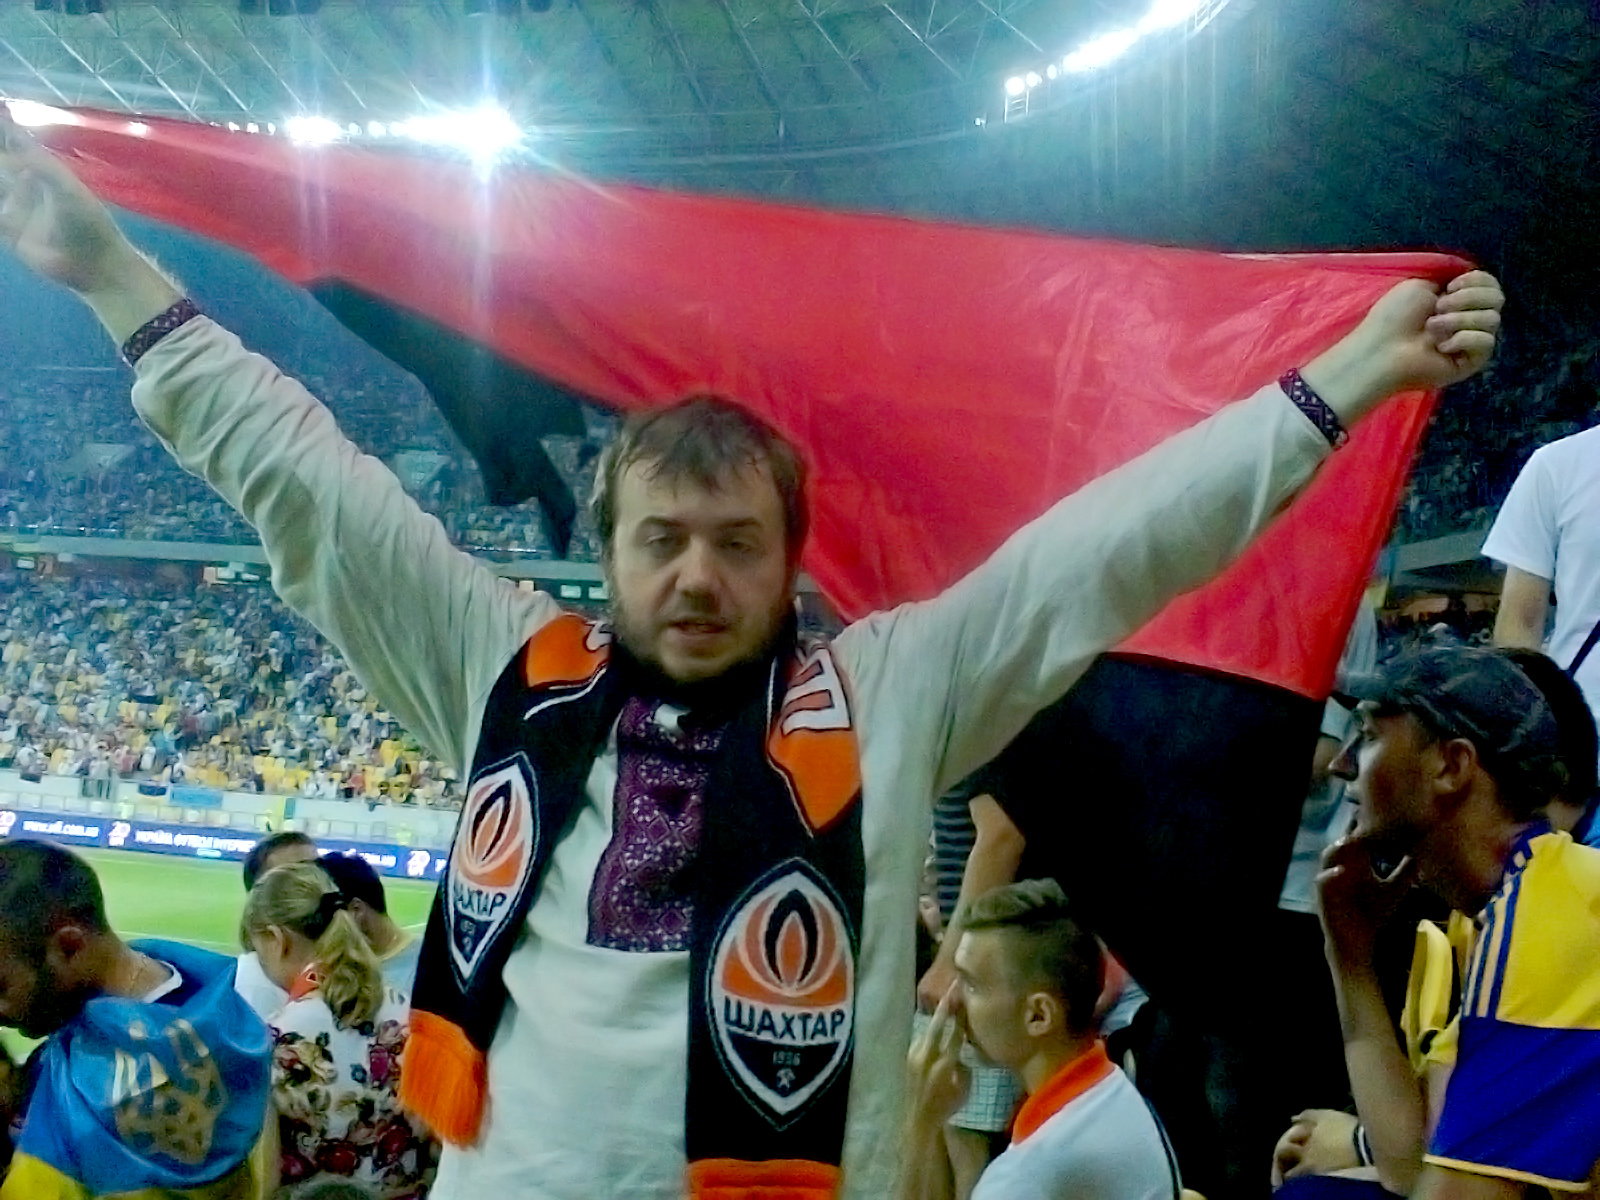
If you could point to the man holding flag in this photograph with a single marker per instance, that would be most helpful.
(673, 947)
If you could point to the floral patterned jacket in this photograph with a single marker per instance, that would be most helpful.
(339, 1114)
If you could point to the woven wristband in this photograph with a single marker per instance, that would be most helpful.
(1363, 1145)
(1315, 407)
(153, 330)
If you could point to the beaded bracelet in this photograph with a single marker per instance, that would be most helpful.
(1315, 408)
(153, 330)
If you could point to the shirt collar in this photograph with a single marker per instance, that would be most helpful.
(1061, 1089)
(1522, 849)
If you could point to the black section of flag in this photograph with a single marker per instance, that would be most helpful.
(498, 409)
(1165, 801)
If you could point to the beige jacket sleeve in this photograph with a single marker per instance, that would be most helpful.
(426, 627)
(957, 677)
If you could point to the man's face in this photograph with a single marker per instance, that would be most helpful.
(700, 579)
(37, 997)
(1384, 763)
(992, 1005)
(1397, 770)
(293, 852)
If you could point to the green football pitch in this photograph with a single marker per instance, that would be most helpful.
(199, 902)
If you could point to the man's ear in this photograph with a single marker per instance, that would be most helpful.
(66, 951)
(1042, 1014)
(1453, 766)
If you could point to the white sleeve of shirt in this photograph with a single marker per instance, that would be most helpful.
(1525, 532)
(426, 627)
(968, 669)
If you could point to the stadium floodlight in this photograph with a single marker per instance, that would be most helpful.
(1033, 79)
(233, 127)
(252, 127)
(33, 114)
(1016, 85)
(1101, 51)
(376, 129)
(138, 129)
(1164, 14)
(313, 131)
(484, 132)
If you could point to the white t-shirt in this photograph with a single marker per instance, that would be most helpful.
(167, 986)
(1549, 526)
(587, 1071)
(1105, 1144)
(259, 992)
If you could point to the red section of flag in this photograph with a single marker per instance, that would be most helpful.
(947, 383)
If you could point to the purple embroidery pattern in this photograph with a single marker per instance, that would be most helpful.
(640, 901)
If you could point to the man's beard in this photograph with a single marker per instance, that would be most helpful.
(53, 1005)
(724, 690)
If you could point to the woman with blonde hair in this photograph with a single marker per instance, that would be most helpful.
(336, 1059)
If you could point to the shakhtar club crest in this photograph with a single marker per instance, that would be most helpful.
(782, 990)
(496, 839)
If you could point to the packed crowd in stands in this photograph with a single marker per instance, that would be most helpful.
(51, 482)
(48, 486)
(214, 686)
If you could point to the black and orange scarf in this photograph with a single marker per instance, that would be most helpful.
(777, 905)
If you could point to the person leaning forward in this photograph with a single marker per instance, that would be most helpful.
(152, 1076)
(672, 949)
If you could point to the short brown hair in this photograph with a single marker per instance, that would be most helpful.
(702, 439)
(1050, 948)
(43, 887)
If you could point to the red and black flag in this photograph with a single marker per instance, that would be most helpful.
(946, 384)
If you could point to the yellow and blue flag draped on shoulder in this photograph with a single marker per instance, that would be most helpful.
(1523, 1102)
(137, 1098)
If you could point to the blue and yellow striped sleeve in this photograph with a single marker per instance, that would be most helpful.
(1523, 1102)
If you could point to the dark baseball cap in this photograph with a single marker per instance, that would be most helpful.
(1479, 694)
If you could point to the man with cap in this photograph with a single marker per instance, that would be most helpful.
(1455, 757)
(396, 949)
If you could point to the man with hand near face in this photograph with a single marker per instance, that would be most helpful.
(1456, 756)
(1028, 979)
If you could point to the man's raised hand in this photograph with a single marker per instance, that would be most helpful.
(50, 220)
(1437, 338)
(56, 226)
(1416, 336)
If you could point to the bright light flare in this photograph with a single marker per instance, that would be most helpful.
(1164, 14)
(1016, 85)
(484, 132)
(313, 131)
(1101, 51)
(32, 114)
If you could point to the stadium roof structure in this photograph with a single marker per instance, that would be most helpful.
(1254, 124)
